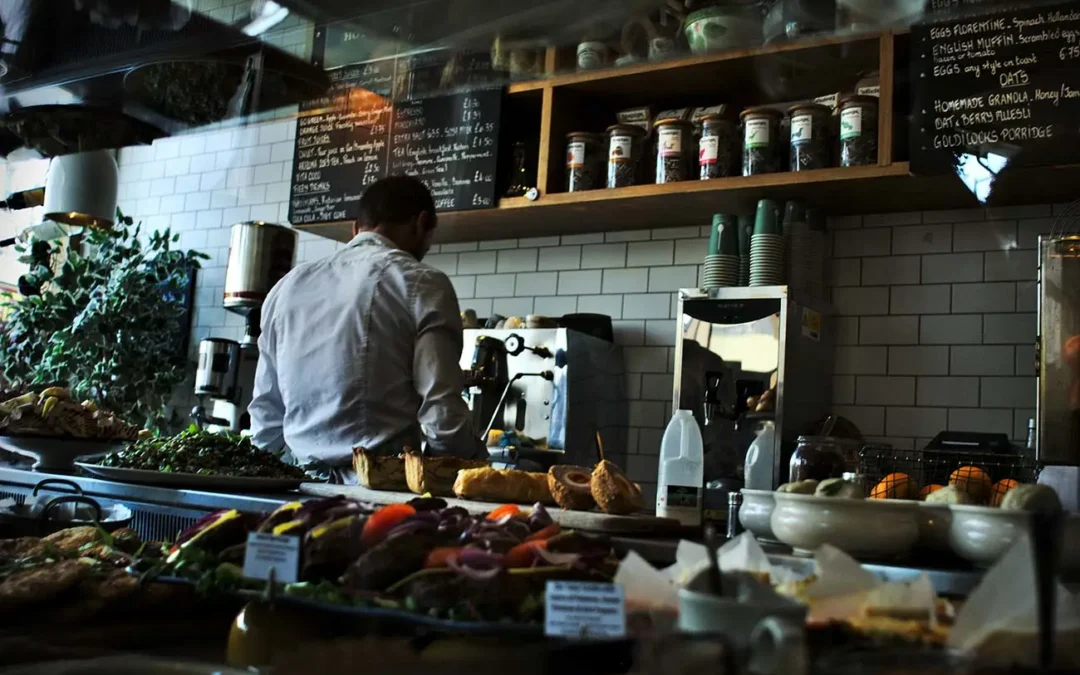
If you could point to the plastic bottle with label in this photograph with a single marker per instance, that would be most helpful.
(682, 470)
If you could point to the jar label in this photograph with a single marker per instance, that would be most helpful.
(850, 123)
(757, 133)
(620, 150)
(802, 129)
(709, 150)
(575, 155)
(669, 141)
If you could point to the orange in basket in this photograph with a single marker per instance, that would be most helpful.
(997, 493)
(895, 486)
(972, 480)
(929, 490)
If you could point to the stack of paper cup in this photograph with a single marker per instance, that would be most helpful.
(722, 262)
(767, 246)
(746, 231)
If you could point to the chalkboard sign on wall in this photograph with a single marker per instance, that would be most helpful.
(358, 134)
(992, 79)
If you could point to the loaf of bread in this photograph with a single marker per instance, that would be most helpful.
(435, 475)
(503, 485)
(379, 472)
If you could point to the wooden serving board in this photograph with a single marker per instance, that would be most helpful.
(594, 521)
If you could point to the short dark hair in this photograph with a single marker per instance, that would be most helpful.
(393, 200)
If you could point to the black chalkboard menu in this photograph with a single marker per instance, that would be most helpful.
(990, 81)
(359, 134)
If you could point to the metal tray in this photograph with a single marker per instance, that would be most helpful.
(192, 480)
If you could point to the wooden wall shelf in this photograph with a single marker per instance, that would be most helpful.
(643, 75)
(588, 100)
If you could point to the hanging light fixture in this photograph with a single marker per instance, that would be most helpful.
(80, 190)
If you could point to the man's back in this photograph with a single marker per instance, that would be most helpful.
(347, 354)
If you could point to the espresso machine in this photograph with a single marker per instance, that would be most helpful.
(260, 254)
(548, 394)
(746, 359)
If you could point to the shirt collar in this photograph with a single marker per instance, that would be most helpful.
(370, 238)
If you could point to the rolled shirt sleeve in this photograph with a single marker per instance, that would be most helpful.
(443, 413)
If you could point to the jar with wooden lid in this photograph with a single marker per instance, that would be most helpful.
(761, 141)
(626, 155)
(717, 149)
(584, 161)
(809, 146)
(674, 139)
(858, 131)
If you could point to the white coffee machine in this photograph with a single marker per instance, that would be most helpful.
(260, 254)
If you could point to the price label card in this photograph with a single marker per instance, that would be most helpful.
(265, 551)
(581, 609)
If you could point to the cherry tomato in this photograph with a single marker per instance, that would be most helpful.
(441, 557)
(546, 533)
(380, 523)
(524, 555)
(503, 511)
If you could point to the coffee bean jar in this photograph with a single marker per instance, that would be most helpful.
(626, 155)
(674, 140)
(809, 146)
(584, 161)
(761, 141)
(717, 149)
(858, 130)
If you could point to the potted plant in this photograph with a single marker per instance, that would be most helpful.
(109, 322)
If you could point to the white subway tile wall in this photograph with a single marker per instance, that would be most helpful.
(935, 320)
(952, 294)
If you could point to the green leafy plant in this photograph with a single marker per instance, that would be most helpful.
(108, 322)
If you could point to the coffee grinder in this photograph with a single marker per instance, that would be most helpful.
(260, 254)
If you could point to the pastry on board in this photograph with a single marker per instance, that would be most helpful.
(503, 485)
(570, 486)
(379, 472)
(613, 491)
(435, 475)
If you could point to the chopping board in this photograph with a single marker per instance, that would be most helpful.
(593, 521)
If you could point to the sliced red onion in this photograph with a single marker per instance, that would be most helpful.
(410, 526)
(539, 518)
(475, 558)
(556, 559)
(476, 564)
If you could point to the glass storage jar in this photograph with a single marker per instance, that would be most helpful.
(821, 457)
(717, 147)
(584, 161)
(626, 154)
(674, 139)
(858, 130)
(761, 141)
(809, 146)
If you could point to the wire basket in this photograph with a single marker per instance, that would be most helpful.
(910, 474)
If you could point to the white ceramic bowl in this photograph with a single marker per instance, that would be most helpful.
(866, 528)
(934, 521)
(756, 512)
(982, 534)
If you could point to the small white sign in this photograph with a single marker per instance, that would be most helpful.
(582, 609)
(268, 550)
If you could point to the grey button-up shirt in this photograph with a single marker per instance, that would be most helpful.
(361, 348)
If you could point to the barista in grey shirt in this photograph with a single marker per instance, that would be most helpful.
(362, 348)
